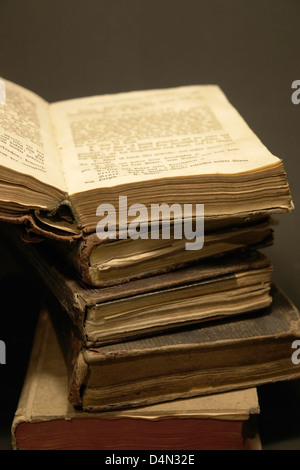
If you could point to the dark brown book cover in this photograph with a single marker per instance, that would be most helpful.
(101, 263)
(210, 358)
(211, 289)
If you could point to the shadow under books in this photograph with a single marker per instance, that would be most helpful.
(20, 306)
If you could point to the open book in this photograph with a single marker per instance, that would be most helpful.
(184, 145)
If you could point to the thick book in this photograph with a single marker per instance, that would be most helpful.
(182, 146)
(214, 288)
(109, 262)
(45, 420)
(214, 357)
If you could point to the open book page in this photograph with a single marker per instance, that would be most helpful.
(142, 135)
(27, 143)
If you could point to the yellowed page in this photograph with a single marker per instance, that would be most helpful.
(27, 142)
(129, 137)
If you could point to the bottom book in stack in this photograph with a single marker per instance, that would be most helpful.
(46, 420)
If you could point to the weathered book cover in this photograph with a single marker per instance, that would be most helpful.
(214, 357)
(101, 263)
(208, 290)
(45, 419)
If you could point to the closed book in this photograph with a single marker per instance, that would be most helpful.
(45, 419)
(234, 353)
(210, 289)
(108, 262)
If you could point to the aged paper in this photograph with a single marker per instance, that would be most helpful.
(103, 141)
(128, 137)
(26, 136)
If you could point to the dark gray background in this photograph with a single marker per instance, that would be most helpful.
(66, 49)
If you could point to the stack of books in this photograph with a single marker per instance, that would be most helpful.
(144, 215)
